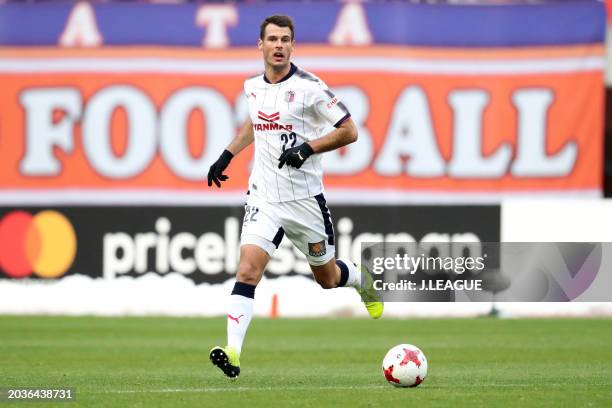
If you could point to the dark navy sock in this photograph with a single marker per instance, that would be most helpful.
(245, 289)
(344, 272)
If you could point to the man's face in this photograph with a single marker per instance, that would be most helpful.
(276, 46)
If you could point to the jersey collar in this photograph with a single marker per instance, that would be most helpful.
(292, 71)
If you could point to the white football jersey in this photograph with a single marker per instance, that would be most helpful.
(286, 114)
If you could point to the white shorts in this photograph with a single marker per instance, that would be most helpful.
(306, 222)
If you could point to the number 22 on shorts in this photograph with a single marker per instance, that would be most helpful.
(250, 213)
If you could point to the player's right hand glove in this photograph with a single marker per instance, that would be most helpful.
(215, 173)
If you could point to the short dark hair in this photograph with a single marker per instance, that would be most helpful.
(278, 20)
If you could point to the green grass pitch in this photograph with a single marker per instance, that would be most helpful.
(163, 362)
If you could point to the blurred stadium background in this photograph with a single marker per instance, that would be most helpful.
(478, 120)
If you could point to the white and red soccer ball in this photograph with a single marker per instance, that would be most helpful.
(405, 365)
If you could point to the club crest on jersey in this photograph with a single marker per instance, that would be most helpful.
(317, 248)
(289, 96)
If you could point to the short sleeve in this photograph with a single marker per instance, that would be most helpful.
(328, 105)
(246, 88)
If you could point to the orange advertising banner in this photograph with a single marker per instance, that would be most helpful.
(142, 125)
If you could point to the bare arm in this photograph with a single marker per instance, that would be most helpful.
(244, 138)
(345, 134)
(296, 156)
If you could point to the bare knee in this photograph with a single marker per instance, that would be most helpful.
(248, 272)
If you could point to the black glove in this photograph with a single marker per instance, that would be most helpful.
(215, 173)
(296, 156)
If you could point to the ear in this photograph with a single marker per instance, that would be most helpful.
(259, 43)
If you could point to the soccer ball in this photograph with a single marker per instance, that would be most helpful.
(405, 365)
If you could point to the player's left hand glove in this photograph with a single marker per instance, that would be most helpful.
(296, 156)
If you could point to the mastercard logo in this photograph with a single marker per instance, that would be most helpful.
(44, 244)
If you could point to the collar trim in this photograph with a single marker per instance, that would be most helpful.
(292, 71)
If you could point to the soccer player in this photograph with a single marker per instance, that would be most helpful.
(288, 110)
